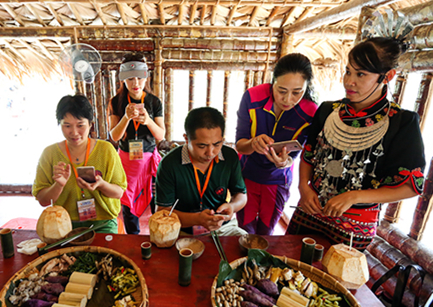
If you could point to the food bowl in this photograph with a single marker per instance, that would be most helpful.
(250, 241)
(195, 245)
(85, 239)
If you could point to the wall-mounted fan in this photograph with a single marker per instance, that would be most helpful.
(81, 61)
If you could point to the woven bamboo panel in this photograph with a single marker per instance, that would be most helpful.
(141, 295)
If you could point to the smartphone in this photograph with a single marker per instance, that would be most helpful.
(87, 173)
(292, 145)
(139, 107)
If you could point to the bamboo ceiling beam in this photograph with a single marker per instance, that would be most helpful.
(101, 15)
(29, 47)
(344, 34)
(161, 13)
(45, 50)
(253, 16)
(185, 65)
(54, 12)
(143, 13)
(421, 13)
(140, 32)
(232, 13)
(121, 45)
(2, 23)
(417, 61)
(30, 8)
(224, 56)
(181, 13)
(15, 50)
(336, 14)
(200, 2)
(219, 44)
(76, 13)
(122, 13)
(272, 15)
(13, 14)
(288, 16)
(203, 14)
(213, 15)
(192, 13)
(305, 14)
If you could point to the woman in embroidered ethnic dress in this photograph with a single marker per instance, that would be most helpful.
(135, 120)
(362, 151)
(271, 113)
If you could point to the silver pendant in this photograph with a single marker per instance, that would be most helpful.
(334, 168)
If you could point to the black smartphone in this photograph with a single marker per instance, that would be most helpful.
(87, 173)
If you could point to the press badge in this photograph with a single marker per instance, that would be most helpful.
(86, 209)
(135, 149)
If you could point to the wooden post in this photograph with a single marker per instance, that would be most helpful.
(107, 95)
(266, 73)
(226, 93)
(80, 88)
(191, 90)
(157, 77)
(400, 85)
(209, 88)
(249, 79)
(168, 103)
(423, 208)
(422, 102)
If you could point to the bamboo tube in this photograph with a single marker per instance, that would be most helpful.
(157, 79)
(400, 85)
(73, 299)
(168, 103)
(191, 90)
(424, 207)
(83, 278)
(226, 93)
(80, 288)
(209, 88)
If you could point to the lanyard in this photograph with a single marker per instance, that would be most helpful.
(197, 181)
(85, 160)
(136, 124)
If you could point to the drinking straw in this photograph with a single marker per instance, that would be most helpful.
(175, 203)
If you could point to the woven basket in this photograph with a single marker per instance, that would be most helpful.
(141, 295)
(314, 274)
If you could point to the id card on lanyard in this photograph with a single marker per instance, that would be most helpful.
(86, 208)
(197, 229)
(136, 146)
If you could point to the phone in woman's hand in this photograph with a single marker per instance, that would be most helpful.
(87, 173)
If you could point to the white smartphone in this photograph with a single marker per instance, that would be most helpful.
(292, 145)
(87, 173)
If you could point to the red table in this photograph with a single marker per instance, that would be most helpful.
(161, 270)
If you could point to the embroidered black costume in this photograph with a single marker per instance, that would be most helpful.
(379, 146)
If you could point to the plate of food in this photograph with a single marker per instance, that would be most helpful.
(261, 279)
(89, 276)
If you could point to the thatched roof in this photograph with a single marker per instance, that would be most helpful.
(33, 33)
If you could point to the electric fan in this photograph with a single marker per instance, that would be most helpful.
(81, 61)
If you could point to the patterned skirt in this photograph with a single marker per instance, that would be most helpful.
(337, 229)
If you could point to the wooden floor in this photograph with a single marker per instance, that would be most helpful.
(23, 213)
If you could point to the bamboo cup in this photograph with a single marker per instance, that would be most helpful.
(7, 243)
(307, 251)
(185, 266)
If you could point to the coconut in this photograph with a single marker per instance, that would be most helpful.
(53, 224)
(164, 229)
(347, 265)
